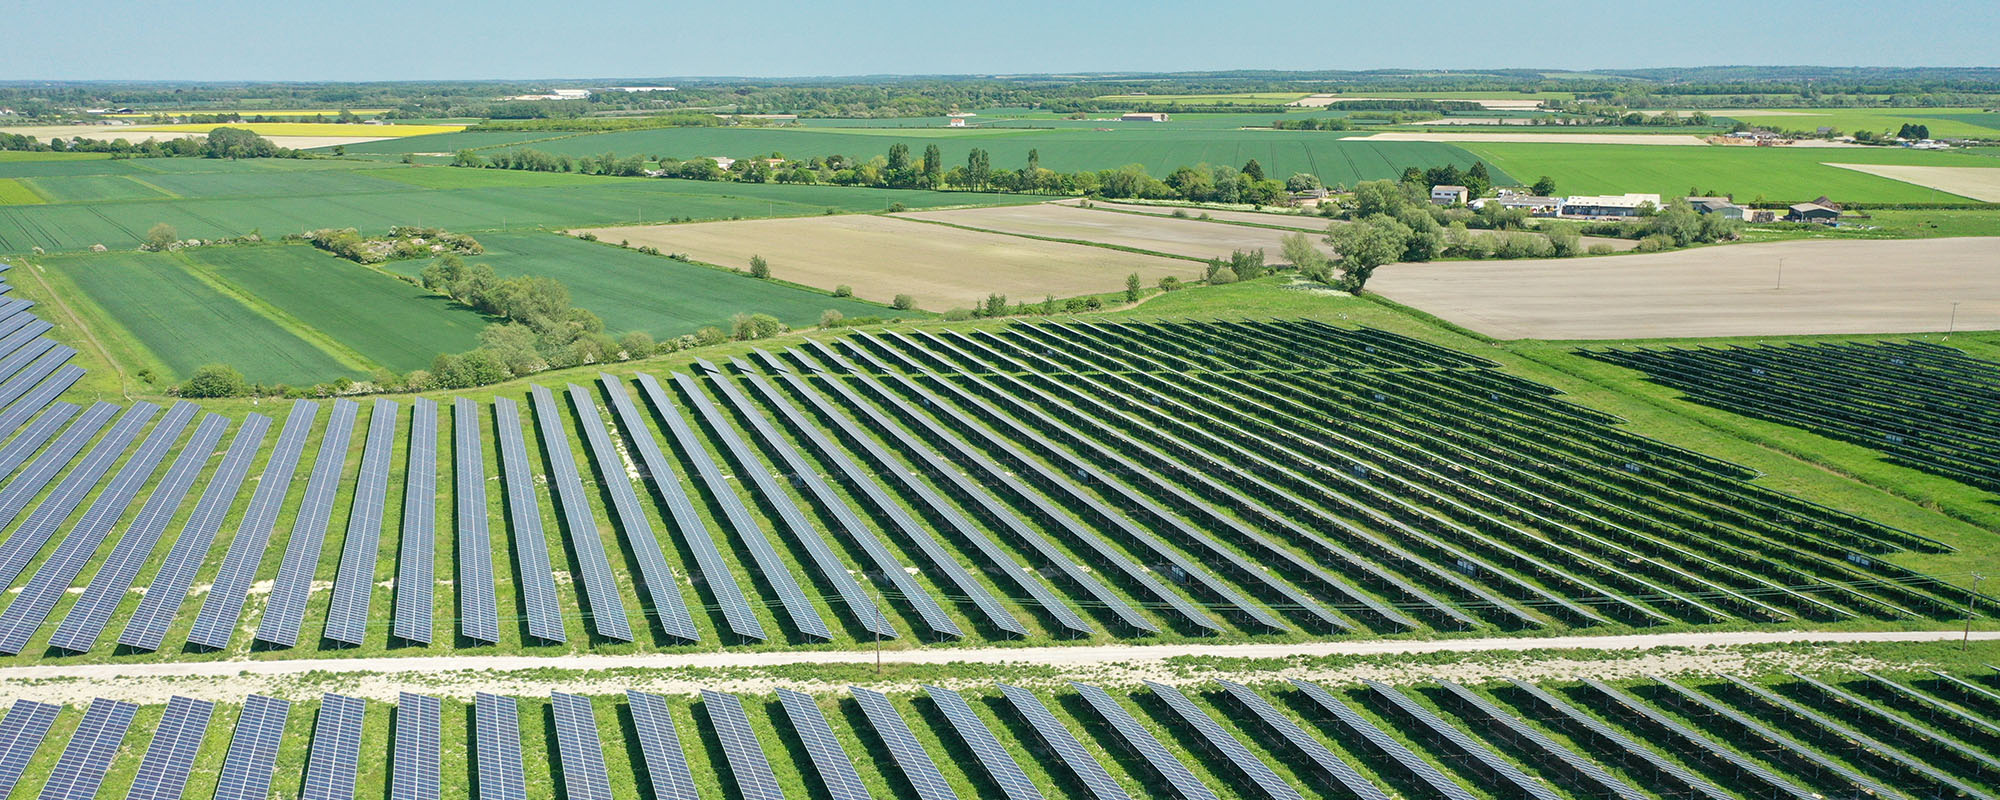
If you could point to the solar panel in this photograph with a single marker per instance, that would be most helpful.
(24, 616)
(745, 756)
(805, 618)
(478, 602)
(87, 755)
(163, 599)
(531, 545)
(712, 570)
(1136, 737)
(579, 748)
(36, 476)
(1516, 731)
(163, 775)
(86, 619)
(1622, 744)
(603, 605)
(353, 585)
(1057, 737)
(30, 440)
(1383, 743)
(28, 539)
(50, 363)
(231, 588)
(286, 611)
(1856, 740)
(666, 764)
(986, 748)
(497, 745)
(21, 735)
(829, 565)
(1934, 708)
(416, 587)
(1231, 748)
(253, 749)
(1480, 756)
(1300, 740)
(908, 753)
(1711, 752)
(829, 760)
(336, 749)
(42, 396)
(417, 759)
(656, 579)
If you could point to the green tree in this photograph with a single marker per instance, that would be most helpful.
(933, 166)
(161, 236)
(1299, 251)
(1366, 245)
(830, 318)
(637, 344)
(1253, 169)
(1132, 288)
(759, 268)
(899, 157)
(1545, 186)
(903, 302)
(1302, 182)
(978, 168)
(215, 380)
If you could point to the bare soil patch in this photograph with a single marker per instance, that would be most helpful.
(881, 257)
(1828, 287)
(1978, 183)
(1160, 234)
(1305, 223)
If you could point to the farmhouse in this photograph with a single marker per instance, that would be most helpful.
(1143, 116)
(955, 122)
(1448, 195)
(1607, 205)
(1535, 205)
(1717, 205)
(1813, 212)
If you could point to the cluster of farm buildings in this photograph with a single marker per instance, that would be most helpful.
(1632, 204)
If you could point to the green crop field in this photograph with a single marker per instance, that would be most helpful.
(630, 290)
(1972, 123)
(1233, 99)
(15, 193)
(1750, 173)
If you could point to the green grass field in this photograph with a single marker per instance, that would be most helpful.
(1769, 174)
(15, 193)
(1232, 99)
(1972, 123)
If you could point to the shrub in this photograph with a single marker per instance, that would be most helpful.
(1565, 243)
(1602, 249)
(903, 302)
(831, 318)
(843, 290)
(958, 315)
(636, 344)
(1222, 276)
(1132, 288)
(215, 380)
(1170, 284)
(709, 335)
(759, 268)
(160, 237)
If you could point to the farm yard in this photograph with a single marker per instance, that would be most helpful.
(1761, 174)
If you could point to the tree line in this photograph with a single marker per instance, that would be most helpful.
(221, 142)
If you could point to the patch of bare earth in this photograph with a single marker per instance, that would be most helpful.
(1978, 183)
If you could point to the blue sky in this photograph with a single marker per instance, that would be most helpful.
(377, 40)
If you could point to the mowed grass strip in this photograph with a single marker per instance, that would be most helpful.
(161, 312)
(1770, 174)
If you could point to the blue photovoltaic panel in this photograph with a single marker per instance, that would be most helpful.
(1058, 738)
(655, 576)
(992, 755)
(1231, 748)
(253, 750)
(580, 750)
(37, 399)
(1695, 785)
(86, 620)
(163, 775)
(1464, 744)
(804, 616)
(531, 545)
(25, 380)
(286, 611)
(27, 540)
(1517, 731)
(43, 469)
(354, 584)
(21, 733)
(829, 760)
(1135, 736)
(416, 586)
(666, 764)
(169, 589)
(908, 753)
(415, 772)
(231, 588)
(603, 605)
(479, 605)
(31, 439)
(747, 764)
(497, 748)
(1361, 788)
(21, 349)
(87, 755)
(1382, 742)
(711, 568)
(336, 749)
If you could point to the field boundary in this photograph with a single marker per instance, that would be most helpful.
(319, 339)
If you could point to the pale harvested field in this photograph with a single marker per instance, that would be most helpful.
(1829, 287)
(1491, 104)
(1162, 234)
(1666, 139)
(1306, 223)
(1978, 183)
(136, 134)
(881, 257)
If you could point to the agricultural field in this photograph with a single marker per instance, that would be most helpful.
(1751, 174)
(1236, 99)
(248, 112)
(1146, 233)
(290, 129)
(1944, 123)
(1978, 183)
(881, 257)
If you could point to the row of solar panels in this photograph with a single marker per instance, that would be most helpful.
(1802, 738)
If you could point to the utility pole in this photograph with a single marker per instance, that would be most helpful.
(1781, 272)
(1952, 326)
(1972, 610)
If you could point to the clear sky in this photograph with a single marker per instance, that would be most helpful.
(414, 39)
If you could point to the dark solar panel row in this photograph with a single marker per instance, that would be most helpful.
(169, 762)
(1709, 751)
(660, 745)
(1232, 749)
(655, 577)
(21, 733)
(416, 586)
(53, 364)
(25, 615)
(1512, 729)
(578, 748)
(1932, 707)
(88, 753)
(27, 540)
(1479, 757)
(1135, 737)
(713, 571)
(1902, 762)
(1016, 573)
(253, 750)
(1688, 699)
(286, 611)
(354, 584)
(226, 596)
(43, 395)
(740, 748)
(1296, 736)
(1381, 742)
(417, 760)
(1905, 728)
(887, 564)
(805, 618)
(335, 759)
(169, 589)
(911, 759)
(830, 762)
(604, 606)
(496, 739)
(829, 565)
(22, 347)
(31, 439)
(478, 602)
(986, 748)
(531, 545)
(1624, 748)
(86, 619)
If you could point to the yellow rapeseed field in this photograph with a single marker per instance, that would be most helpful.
(251, 112)
(309, 129)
